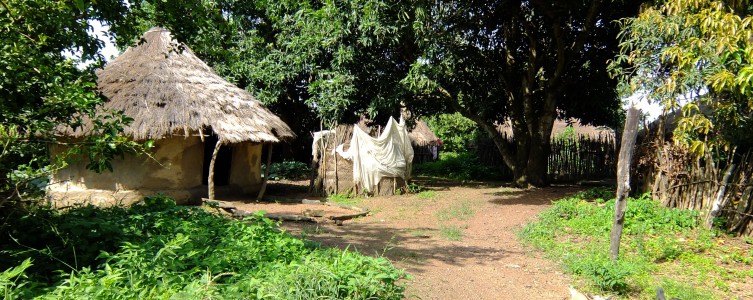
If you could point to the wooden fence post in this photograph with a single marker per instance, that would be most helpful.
(719, 202)
(263, 189)
(210, 180)
(627, 147)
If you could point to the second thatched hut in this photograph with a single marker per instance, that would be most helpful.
(207, 131)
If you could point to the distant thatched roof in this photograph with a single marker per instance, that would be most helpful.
(560, 126)
(166, 89)
(422, 135)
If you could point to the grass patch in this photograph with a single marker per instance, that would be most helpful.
(425, 195)
(346, 199)
(660, 247)
(460, 211)
(451, 233)
(158, 250)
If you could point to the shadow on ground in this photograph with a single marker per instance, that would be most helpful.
(415, 248)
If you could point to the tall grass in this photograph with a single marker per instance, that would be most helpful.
(159, 250)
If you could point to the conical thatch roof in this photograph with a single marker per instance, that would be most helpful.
(166, 89)
(422, 135)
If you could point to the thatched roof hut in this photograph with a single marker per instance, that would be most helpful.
(561, 125)
(177, 100)
(421, 135)
(165, 88)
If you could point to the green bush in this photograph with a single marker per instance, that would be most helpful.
(455, 131)
(160, 250)
(289, 170)
(457, 166)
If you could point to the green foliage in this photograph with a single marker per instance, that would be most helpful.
(427, 195)
(159, 250)
(455, 131)
(414, 188)
(41, 88)
(606, 275)
(457, 166)
(336, 58)
(697, 49)
(291, 170)
(568, 135)
(522, 62)
(656, 242)
(343, 199)
(451, 233)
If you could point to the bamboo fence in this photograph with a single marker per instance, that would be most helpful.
(585, 157)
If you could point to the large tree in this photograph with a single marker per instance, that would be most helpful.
(524, 61)
(42, 85)
(700, 52)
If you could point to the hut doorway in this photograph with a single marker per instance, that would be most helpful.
(221, 165)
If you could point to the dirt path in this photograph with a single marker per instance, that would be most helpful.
(457, 242)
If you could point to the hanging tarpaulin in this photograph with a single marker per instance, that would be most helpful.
(389, 155)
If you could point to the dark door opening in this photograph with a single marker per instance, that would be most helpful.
(221, 165)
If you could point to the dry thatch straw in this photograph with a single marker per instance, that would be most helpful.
(422, 135)
(559, 127)
(166, 89)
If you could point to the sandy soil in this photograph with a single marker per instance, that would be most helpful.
(416, 232)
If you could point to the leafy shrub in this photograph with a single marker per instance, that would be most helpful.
(455, 131)
(159, 250)
(457, 166)
(289, 170)
(606, 275)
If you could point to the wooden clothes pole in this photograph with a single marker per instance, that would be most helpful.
(266, 174)
(627, 147)
(210, 179)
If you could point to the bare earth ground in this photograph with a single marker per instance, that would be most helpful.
(487, 262)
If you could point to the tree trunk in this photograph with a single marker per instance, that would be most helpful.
(623, 179)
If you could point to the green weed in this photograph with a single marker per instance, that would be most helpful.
(427, 195)
(451, 233)
(346, 199)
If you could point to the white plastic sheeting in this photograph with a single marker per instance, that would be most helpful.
(389, 155)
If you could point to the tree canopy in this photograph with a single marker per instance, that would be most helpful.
(699, 51)
(526, 61)
(41, 87)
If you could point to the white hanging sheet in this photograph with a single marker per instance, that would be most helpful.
(389, 155)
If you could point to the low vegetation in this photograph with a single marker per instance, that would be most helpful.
(661, 247)
(457, 166)
(451, 233)
(288, 170)
(158, 250)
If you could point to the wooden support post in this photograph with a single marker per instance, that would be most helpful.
(210, 179)
(266, 174)
(719, 202)
(627, 147)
